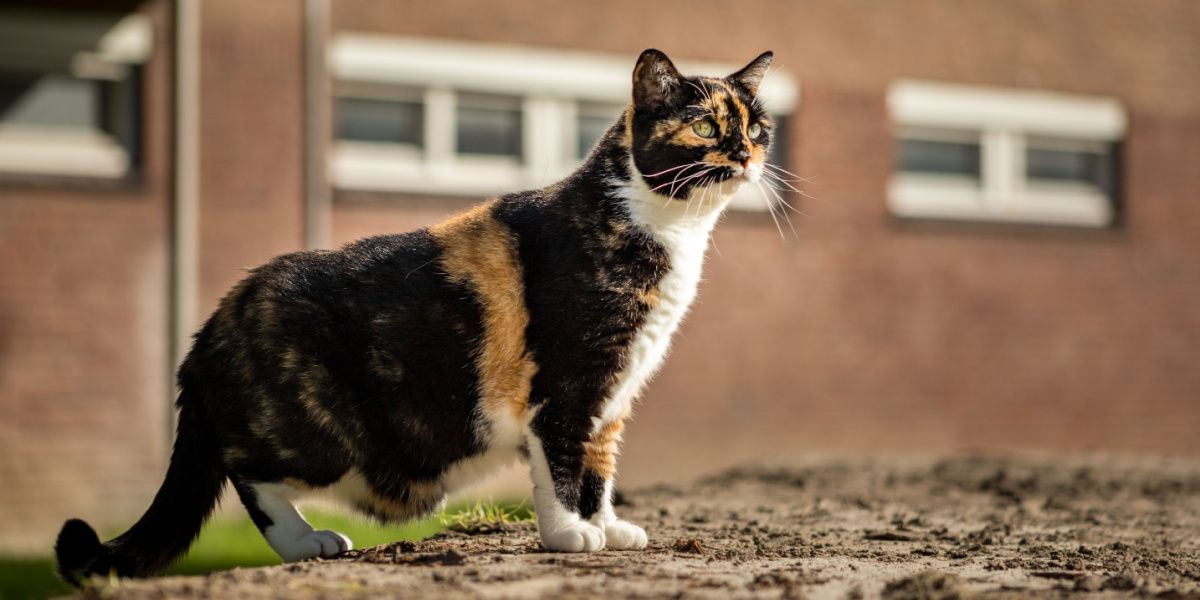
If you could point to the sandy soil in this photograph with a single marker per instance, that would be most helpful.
(953, 528)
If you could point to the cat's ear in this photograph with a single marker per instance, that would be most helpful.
(752, 74)
(655, 80)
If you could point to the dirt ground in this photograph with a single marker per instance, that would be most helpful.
(986, 527)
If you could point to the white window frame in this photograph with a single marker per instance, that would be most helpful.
(1006, 121)
(551, 83)
(48, 150)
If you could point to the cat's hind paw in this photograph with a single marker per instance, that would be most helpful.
(623, 535)
(578, 536)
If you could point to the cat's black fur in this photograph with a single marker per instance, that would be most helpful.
(373, 358)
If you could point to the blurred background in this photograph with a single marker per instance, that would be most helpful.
(997, 247)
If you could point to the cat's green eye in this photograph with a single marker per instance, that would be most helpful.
(753, 130)
(705, 128)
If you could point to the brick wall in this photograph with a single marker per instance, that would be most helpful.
(84, 385)
(251, 146)
(83, 337)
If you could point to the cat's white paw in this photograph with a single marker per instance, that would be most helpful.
(314, 544)
(577, 536)
(332, 542)
(623, 535)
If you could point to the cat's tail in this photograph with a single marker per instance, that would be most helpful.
(187, 497)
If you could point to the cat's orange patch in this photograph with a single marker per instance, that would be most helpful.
(758, 153)
(481, 252)
(686, 137)
(650, 298)
(719, 159)
(600, 452)
(672, 128)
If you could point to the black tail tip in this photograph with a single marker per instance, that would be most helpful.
(79, 552)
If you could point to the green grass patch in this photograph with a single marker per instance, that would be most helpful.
(22, 578)
(231, 542)
(486, 517)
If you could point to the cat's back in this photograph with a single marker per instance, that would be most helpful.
(322, 297)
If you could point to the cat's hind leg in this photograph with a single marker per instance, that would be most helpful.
(289, 535)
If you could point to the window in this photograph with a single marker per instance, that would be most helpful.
(1064, 161)
(69, 92)
(983, 154)
(488, 124)
(945, 156)
(394, 120)
(592, 120)
(438, 117)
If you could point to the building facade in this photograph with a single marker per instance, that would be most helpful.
(996, 247)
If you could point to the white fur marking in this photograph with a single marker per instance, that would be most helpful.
(619, 534)
(505, 434)
(289, 534)
(684, 232)
(561, 529)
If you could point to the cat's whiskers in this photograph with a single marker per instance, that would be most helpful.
(779, 192)
(676, 177)
(715, 190)
(676, 186)
(702, 189)
(784, 203)
(786, 182)
(706, 185)
(771, 210)
(702, 89)
(787, 172)
(697, 189)
(664, 171)
(711, 235)
(708, 111)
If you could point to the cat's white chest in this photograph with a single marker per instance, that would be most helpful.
(676, 291)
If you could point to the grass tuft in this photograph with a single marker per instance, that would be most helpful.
(485, 517)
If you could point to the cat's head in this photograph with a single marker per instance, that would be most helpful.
(689, 132)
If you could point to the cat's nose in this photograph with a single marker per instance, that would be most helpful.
(741, 156)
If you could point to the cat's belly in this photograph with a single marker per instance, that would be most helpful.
(419, 498)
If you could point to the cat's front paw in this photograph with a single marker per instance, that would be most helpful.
(578, 536)
(623, 535)
(312, 545)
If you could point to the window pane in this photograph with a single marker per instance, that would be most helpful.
(1068, 165)
(489, 125)
(58, 100)
(373, 120)
(591, 122)
(940, 157)
(49, 99)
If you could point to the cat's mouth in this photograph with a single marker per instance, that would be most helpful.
(737, 173)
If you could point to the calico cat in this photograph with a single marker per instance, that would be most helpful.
(401, 368)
